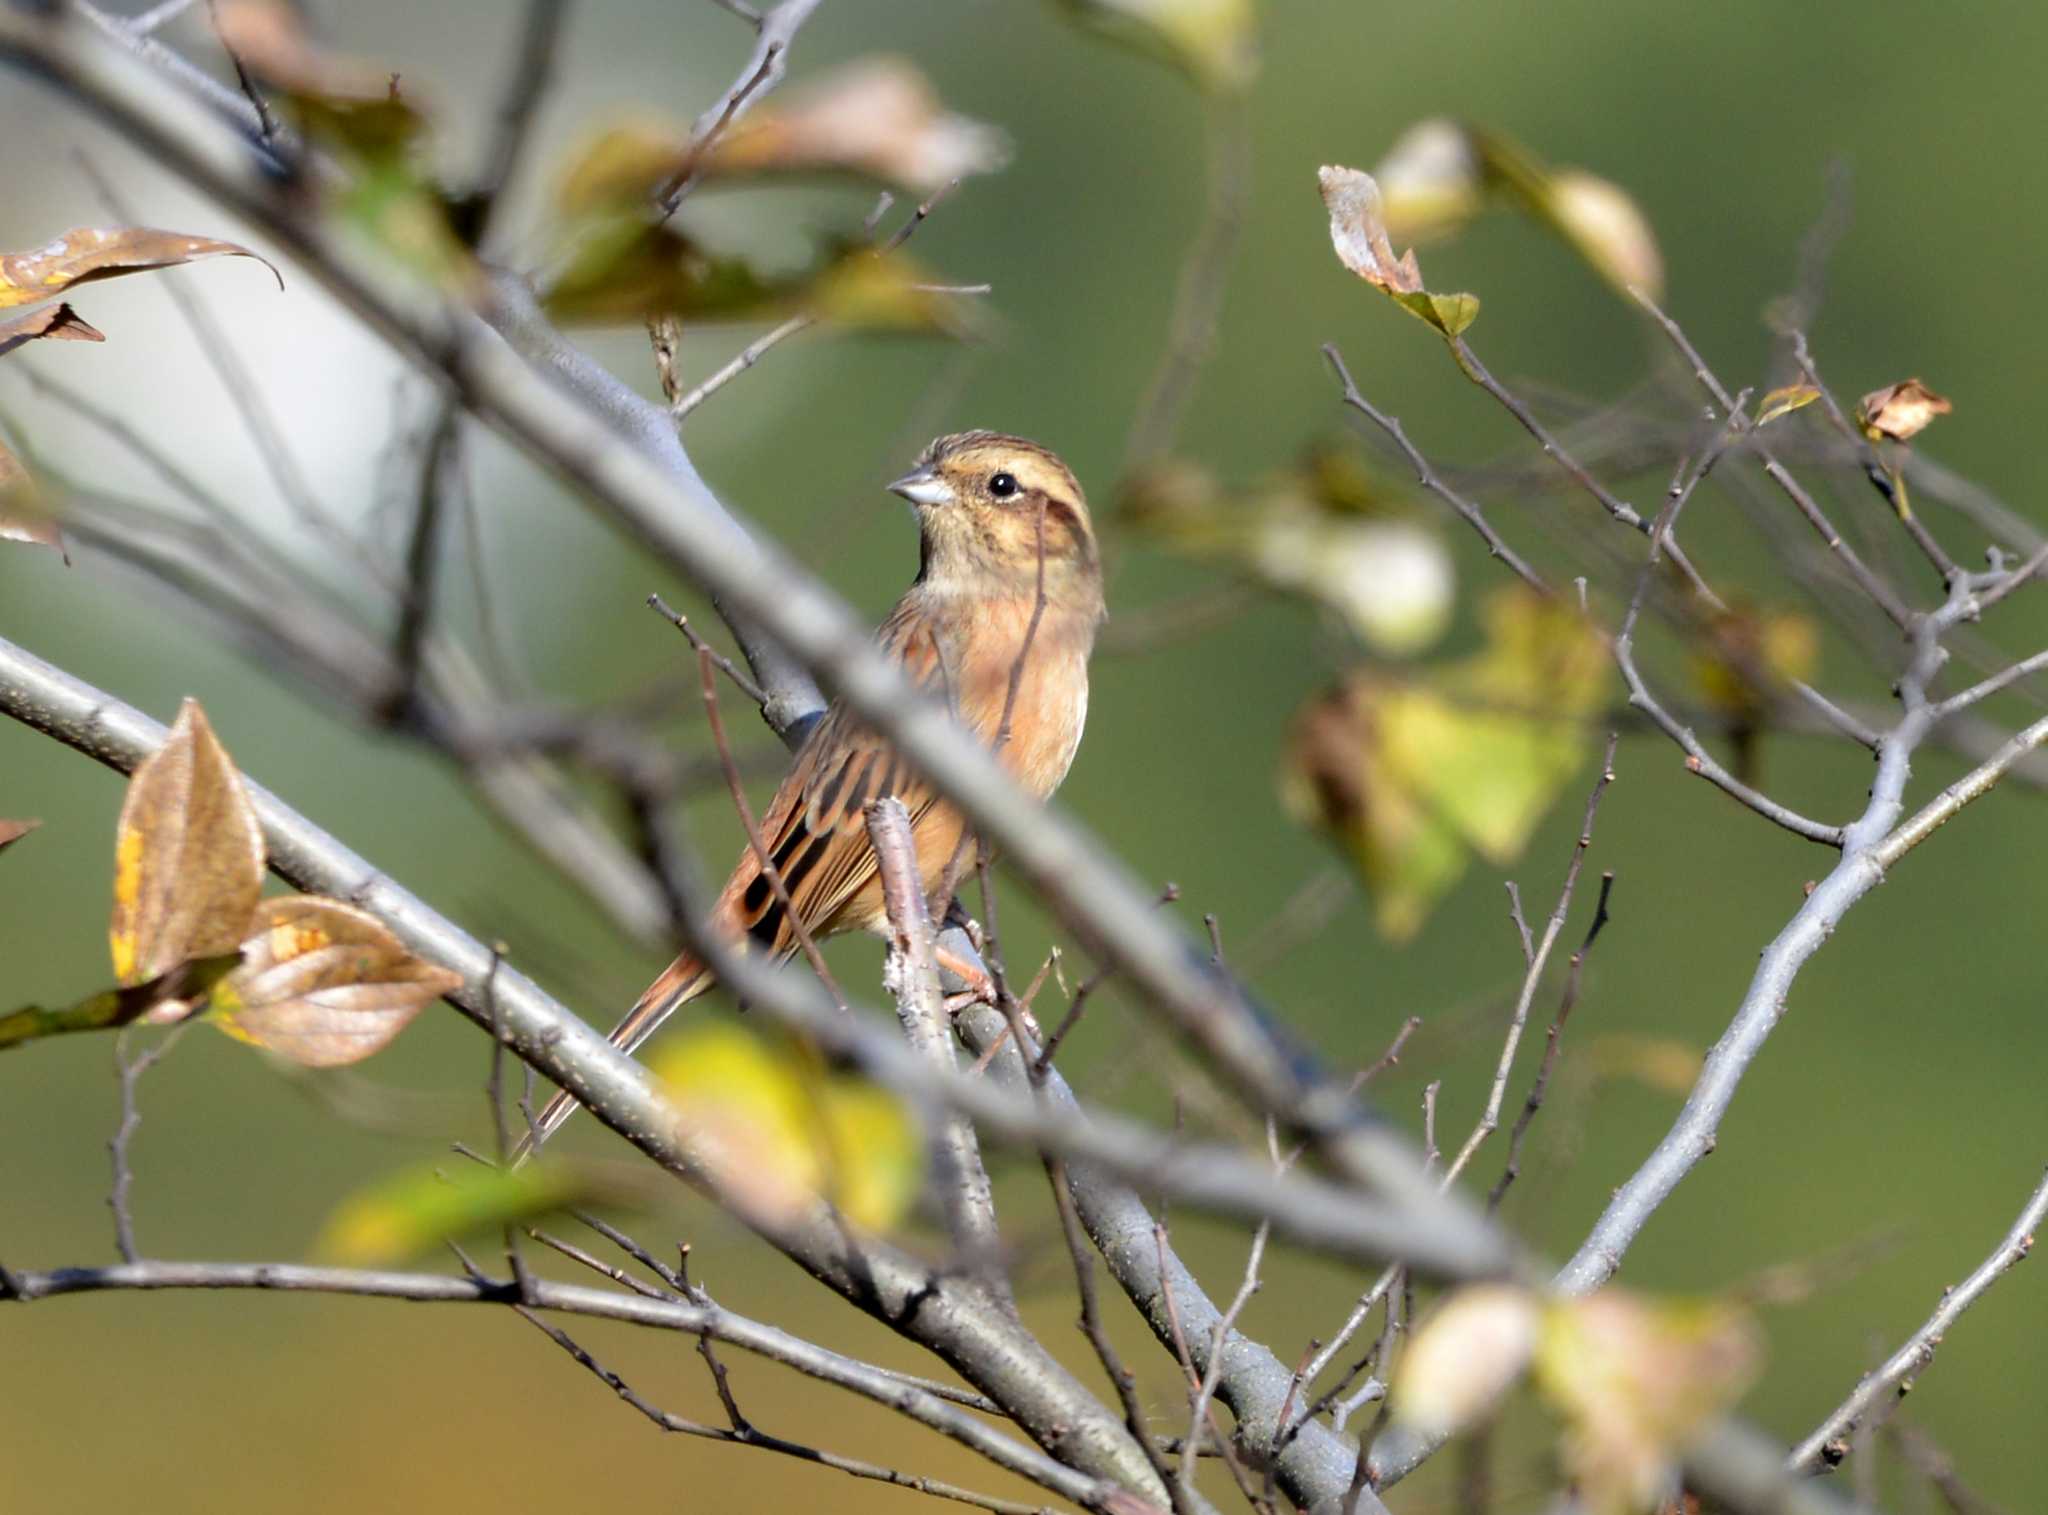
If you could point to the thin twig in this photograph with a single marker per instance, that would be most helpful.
(1489, 1120)
(130, 1071)
(1541, 1085)
(1829, 1444)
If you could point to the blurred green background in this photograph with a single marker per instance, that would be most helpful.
(1899, 1099)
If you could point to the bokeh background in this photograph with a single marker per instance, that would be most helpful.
(1900, 1101)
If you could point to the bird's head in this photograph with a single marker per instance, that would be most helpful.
(989, 504)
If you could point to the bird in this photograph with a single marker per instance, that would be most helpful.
(1008, 591)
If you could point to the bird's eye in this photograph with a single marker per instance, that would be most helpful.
(1003, 485)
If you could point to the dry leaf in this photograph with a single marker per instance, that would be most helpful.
(188, 855)
(1784, 401)
(14, 831)
(24, 516)
(1900, 411)
(1358, 232)
(879, 117)
(92, 252)
(269, 40)
(51, 323)
(325, 984)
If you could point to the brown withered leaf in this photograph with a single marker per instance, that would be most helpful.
(879, 117)
(1358, 232)
(24, 516)
(188, 855)
(86, 253)
(50, 323)
(13, 831)
(1900, 411)
(324, 984)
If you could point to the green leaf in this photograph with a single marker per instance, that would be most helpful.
(1413, 775)
(414, 1211)
(1449, 314)
(184, 987)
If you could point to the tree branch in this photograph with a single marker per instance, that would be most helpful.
(1829, 1444)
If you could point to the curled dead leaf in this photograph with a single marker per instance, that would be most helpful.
(1358, 232)
(48, 323)
(1900, 411)
(188, 855)
(325, 984)
(86, 253)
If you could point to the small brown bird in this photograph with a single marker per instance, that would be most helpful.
(1003, 526)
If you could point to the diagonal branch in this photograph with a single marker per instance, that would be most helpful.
(1829, 1443)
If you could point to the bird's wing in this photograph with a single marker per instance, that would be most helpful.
(814, 829)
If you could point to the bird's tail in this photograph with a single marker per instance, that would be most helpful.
(682, 981)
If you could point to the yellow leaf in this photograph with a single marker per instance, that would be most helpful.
(1214, 41)
(1784, 401)
(418, 1209)
(188, 855)
(1465, 1356)
(777, 1135)
(1429, 181)
(1746, 658)
(324, 984)
(1636, 1380)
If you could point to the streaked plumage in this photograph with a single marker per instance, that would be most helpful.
(986, 503)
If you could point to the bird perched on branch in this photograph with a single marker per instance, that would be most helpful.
(999, 624)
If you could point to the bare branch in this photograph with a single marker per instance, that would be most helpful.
(675, 1315)
(1830, 1441)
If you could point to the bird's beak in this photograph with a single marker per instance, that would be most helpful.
(923, 486)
